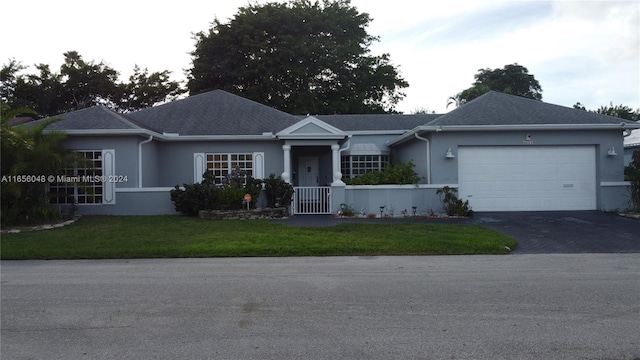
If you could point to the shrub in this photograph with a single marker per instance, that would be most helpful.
(195, 197)
(346, 211)
(396, 173)
(206, 195)
(451, 204)
(278, 191)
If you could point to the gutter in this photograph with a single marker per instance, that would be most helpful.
(529, 127)
(165, 136)
(428, 155)
(140, 159)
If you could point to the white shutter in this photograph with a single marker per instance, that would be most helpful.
(198, 167)
(108, 170)
(258, 165)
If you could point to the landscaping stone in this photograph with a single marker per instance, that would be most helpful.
(269, 213)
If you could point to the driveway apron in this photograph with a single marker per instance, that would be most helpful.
(566, 232)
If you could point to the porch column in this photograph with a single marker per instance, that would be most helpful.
(286, 175)
(337, 175)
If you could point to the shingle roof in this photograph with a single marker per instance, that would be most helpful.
(633, 140)
(495, 108)
(213, 113)
(374, 122)
(93, 118)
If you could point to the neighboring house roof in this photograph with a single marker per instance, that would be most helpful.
(377, 122)
(20, 120)
(495, 108)
(93, 118)
(632, 140)
(213, 113)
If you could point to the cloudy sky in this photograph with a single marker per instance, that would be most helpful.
(586, 51)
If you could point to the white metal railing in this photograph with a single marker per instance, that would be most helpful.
(312, 200)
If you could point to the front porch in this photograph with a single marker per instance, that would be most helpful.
(311, 153)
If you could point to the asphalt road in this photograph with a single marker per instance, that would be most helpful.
(562, 306)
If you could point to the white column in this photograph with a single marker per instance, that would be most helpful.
(286, 175)
(337, 175)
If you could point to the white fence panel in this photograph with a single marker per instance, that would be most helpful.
(312, 200)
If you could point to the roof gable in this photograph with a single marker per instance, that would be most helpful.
(213, 113)
(309, 128)
(495, 108)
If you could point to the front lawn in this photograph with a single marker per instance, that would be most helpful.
(106, 237)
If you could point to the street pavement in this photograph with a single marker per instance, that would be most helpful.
(553, 306)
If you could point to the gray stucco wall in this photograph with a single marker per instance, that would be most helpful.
(394, 198)
(131, 203)
(176, 164)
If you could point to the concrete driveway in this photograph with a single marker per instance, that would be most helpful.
(566, 232)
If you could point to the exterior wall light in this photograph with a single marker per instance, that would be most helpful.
(449, 154)
(612, 151)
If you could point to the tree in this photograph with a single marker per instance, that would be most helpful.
(621, 111)
(81, 84)
(87, 83)
(29, 156)
(145, 90)
(302, 57)
(513, 79)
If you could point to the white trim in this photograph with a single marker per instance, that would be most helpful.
(378, 132)
(399, 187)
(258, 165)
(614, 183)
(109, 167)
(216, 137)
(144, 189)
(530, 127)
(198, 167)
(332, 132)
(165, 136)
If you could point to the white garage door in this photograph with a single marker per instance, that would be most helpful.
(527, 178)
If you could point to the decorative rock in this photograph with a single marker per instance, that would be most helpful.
(243, 214)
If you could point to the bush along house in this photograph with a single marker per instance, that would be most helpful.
(501, 152)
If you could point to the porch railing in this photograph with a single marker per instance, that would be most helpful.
(312, 200)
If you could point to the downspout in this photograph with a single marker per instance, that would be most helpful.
(140, 159)
(428, 156)
(347, 147)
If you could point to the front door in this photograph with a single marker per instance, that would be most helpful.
(308, 171)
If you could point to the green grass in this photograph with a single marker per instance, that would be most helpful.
(106, 237)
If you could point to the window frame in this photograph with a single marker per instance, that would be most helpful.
(73, 192)
(365, 163)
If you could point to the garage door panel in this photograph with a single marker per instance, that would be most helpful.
(525, 178)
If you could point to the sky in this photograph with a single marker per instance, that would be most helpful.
(579, 51)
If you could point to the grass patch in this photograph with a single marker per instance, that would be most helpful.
(124, 237)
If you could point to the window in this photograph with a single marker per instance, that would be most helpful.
(223, 164)
(82, 184)
(354, 165)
